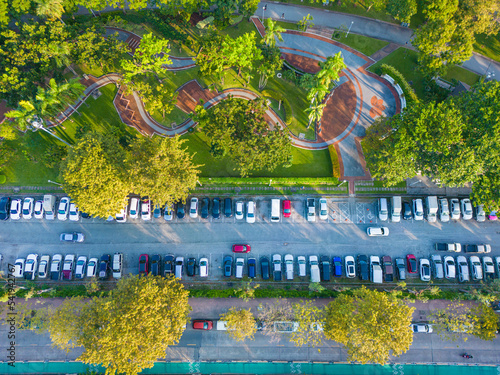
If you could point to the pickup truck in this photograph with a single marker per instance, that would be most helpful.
(478, 248)
(388, 269)
(277, 267)
(456, 247)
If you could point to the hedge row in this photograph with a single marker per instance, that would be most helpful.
(265, 181)
(410, 95)
(335, 161)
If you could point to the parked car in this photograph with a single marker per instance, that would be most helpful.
(388, 269)
(350, 266)
(157, 211)
(134, 208)
(216, 208)
(191, 266)
(411, 262)
(81, 264)
(314, 269)
(455, 209)
(488, 268)
(204, 325)
(43, 267)
(63, 209)
(145, 209)
(497, 266)
(463, 269)
(337, 266)
(168, 212)
(228, 207)
(363, 269)
(203, 267)
(377, 231)
(144, 264)
(484, 248)
(466, 209)
(205, 208)
(179, 267)
(19, 267)
(251, 212)
(437, 266)
(401, 268)
(480, 214)
(68, 266)
(92, 267)
(193, 208)
(301, 260)
(383, 209)
(310, 209)
(240, 264)
(444, 210)
(30, 266)
(55, 267)
(407, 214)
(449, 267)
(228, 265)
(104, 266)
(241, 248)
(421, 328)
(181, 210)
(168, 264)
(323, 209)
(418, 209)
(277, 267)
(4, 208)
(324, 266)
(289, 266)
(74, 213)
(72, 237)
(15, 209)
(252, 267)
(287, 208)
(425, 269)
(155, 267)
(264, 268)
(475, 267)
(28, 204)
(238, 212)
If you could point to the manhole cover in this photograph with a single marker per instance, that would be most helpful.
(302, 136)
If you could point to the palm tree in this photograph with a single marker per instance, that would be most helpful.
(66, 93)
(272, 30)
(315, 112)
(50, 9)
(330, 69)
(317, 93)
(60, 53)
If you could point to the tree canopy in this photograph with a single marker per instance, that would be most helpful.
(237, 129)
(372, 325)
(240, 324)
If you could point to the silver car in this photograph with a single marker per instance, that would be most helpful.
(350, 266)
(437, 266)
(476, 269)
(43, 267)
(301, 260)
(455, 209)
(449, 267)
(444, 210)
(463, 269)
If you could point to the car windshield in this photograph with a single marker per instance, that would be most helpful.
(413, 263)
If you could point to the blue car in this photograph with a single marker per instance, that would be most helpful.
(337, 266)
(228, 265)
(252, 265)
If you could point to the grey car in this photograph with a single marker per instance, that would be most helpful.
(228, 265)
(401, 268)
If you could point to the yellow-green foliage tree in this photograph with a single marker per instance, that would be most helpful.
(310, 329)
(240, 324)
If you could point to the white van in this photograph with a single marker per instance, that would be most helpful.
(313, 262)
(432, 208)
(240, 262)
(383, 211)
(376, 269)
(179, 266)
(49, 206)
(396, 209)
(275, 210)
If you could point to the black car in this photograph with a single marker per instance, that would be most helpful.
(181, 210)
(85, 215)
(4, 208)
(191, 266)
(363, 271)
(104, 266)
(324, 267)
(228, 207)
(216, 208)
(168, 264)
(155, 264)
(407, 214)
(264, 267)
(205, 208)
(228, 265)
(252, 267)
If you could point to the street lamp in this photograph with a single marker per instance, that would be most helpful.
(53, 182)
(264, 8)
(37, 123)
(348, 31)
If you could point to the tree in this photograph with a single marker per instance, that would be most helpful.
(237, 129)
(372, 325)
(248, 7)
(330, 70)
(51, 9)
(271, 63)
(66, 93)
(212, 58)
(315, 113)
(95, 175)
(60, 53)
(279, 311)
(305, 23)
(240, 324)
(244, 52)
(127, 331)
(310, 328)
(273, 31)
(161, 169)
(402, 10)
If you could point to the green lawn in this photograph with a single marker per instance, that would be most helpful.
(363, 44)
(461, 74)
(488, 46)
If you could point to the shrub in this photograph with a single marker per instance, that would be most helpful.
(335, 161)
(410, 95)
(265, 181)
(3, 179)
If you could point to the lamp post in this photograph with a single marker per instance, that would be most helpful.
(264, 8)
(37, 123)
(348, 31)
(53, 182)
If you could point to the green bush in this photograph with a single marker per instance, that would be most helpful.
(265, 181)
(410, 95)
(3, 179)
(204, 23)
(335, 161)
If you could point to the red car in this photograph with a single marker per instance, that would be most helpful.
(241, 248)
(287, 208)
(143, 264)
(205, 325)
(411, 262)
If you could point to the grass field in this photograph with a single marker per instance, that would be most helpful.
(488, 46)
(363, 44)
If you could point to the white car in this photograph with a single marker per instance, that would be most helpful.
(466, 209)
(134, 208)
(421, 328)
(480, 214)
(455, 209)
(39, 211)
(463, 269)
(315, 274)
(289, 266)
(28, 208)
(475, 266)
(63, 209)
(19, 267)
(43, 267)
(425, 269)
(488, 268)
(437, 266)
(146, 209)
(72, 237)
(383, 210)
(418, 209)
(240, 263)
(323, 209)
(74, 213)
(116, 266)
(350, 267)
(377, 231)
(203, 267)
(193, 209)
(81, 264)
(238, 212)
(449, 267)
(444, 210)
(92, 267)
(121, 217)
(15, 209)
(30, 266)
(301, 260)
(250, 212)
